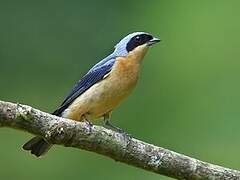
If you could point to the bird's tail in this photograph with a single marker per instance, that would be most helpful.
(37, 146)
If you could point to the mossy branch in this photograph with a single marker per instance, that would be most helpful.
(109, 143)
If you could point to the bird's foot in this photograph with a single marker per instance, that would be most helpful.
(88, 123)
(109, 124)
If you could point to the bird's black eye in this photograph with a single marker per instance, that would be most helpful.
(137, 38)
(137, 41)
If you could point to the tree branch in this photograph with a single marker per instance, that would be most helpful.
(115, 145)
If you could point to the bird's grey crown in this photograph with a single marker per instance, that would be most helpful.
(121, 47)
(120, 50)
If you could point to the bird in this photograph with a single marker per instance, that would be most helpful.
(103, 87)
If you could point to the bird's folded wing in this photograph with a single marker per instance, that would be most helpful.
(92, 77)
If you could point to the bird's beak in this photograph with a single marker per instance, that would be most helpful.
(153, 41)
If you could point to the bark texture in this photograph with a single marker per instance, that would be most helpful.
(117, 146)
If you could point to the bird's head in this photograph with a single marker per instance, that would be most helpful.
(137, 42)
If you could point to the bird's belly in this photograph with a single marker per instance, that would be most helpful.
(109, 95)
(101, 98)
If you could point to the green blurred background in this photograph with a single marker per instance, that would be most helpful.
(187, 98)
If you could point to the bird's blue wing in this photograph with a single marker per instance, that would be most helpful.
(93, 76)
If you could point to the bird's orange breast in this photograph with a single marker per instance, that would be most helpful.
(108, 93)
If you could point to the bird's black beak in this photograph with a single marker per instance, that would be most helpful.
(153, 41)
